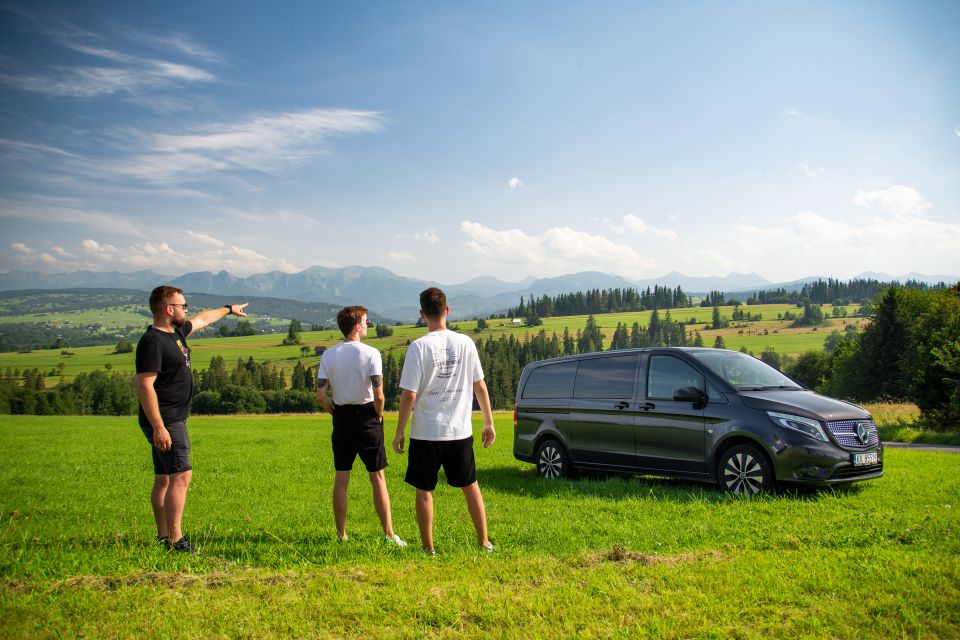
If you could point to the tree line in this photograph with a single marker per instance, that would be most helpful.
(600, 301)
(836, 292)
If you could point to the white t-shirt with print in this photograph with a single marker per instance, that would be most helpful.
(348, 366)
(441, 368)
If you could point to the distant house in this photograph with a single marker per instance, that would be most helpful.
(517, 321)
(318, 351)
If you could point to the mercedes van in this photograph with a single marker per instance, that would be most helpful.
(711, 415)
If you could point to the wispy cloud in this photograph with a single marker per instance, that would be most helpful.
(400, 256)
(204, 239)
(794, 112)
(72, 217)
(267, 143)
(129, 74)
(515, 183)
(810, 172)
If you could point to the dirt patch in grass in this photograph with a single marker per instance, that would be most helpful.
(621, 555)
(151, 579)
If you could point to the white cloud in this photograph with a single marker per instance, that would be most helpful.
(515, 183)
(430, 237)
(21, 248)
(558, 250)
(161, 256)
(400, 256)
(811, 243)
(899, 200)
(639, 227)
(60, 251)
(203, 238)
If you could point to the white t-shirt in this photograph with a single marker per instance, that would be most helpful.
(441, 368)
(348, 366)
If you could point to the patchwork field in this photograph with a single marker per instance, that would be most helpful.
(603, 557)
(755, 336)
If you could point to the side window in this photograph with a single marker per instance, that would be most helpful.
(609, 377)
(667, 374)
(551, 381)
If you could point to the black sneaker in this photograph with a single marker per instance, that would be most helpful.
(163, 541)
(183, 545)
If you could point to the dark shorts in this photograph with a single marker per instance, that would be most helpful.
(427, 456)
(357, 431)
(177, 459)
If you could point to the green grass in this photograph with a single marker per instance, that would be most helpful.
(607, 557)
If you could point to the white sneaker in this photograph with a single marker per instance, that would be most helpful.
(396, 540)
(488, 548)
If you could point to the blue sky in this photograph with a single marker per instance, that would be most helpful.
(448, 140)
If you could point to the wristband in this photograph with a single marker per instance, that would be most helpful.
(229, 308)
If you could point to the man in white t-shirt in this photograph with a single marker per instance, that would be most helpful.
(441, 374)
(354, 371)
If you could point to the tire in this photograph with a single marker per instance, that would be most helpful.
(744, 471)
(552, 460)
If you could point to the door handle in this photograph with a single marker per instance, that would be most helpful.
(648, 406)
(622, 405)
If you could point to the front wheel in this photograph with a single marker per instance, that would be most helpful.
(552, 460)
(744, 471)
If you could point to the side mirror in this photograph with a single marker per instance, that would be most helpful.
(689, 394)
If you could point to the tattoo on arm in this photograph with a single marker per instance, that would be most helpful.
(376, 381)
(321, 383)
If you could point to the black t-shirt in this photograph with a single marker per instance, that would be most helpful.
(168, 355)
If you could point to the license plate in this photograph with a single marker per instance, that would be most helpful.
(863, 459)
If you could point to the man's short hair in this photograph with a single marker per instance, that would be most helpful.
(349, 317)
(161, 297)
(433, 302)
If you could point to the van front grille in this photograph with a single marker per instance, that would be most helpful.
(848, 433)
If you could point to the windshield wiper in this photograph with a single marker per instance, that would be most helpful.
(769, 387)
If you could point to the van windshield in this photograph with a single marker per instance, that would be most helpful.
(744, 371)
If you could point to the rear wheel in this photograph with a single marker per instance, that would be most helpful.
(552, 460)
(744, 471)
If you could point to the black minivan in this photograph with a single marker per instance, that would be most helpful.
(704, 414)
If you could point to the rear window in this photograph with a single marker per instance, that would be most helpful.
(551, 381)
(610, 377)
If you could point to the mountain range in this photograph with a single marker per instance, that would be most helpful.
(396, 297)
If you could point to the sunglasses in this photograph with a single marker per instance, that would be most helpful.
(184, 305)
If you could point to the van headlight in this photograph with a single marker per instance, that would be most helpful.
(805, 426)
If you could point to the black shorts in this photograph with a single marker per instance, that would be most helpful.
(177, 459)
(427, 456)
(357, 431)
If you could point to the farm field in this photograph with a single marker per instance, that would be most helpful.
(755, 336)
(602, 557)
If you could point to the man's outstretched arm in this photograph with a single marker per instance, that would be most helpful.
(210, 316)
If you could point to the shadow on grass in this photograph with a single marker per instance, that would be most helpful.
(628, 487)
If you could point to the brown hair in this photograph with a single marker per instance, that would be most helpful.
(349, 317)
(433, 302)
(160, 297)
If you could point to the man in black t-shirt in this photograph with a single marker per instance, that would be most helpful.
(164, 388)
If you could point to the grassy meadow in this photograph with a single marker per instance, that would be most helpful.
(756, 336)
(599, 557)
